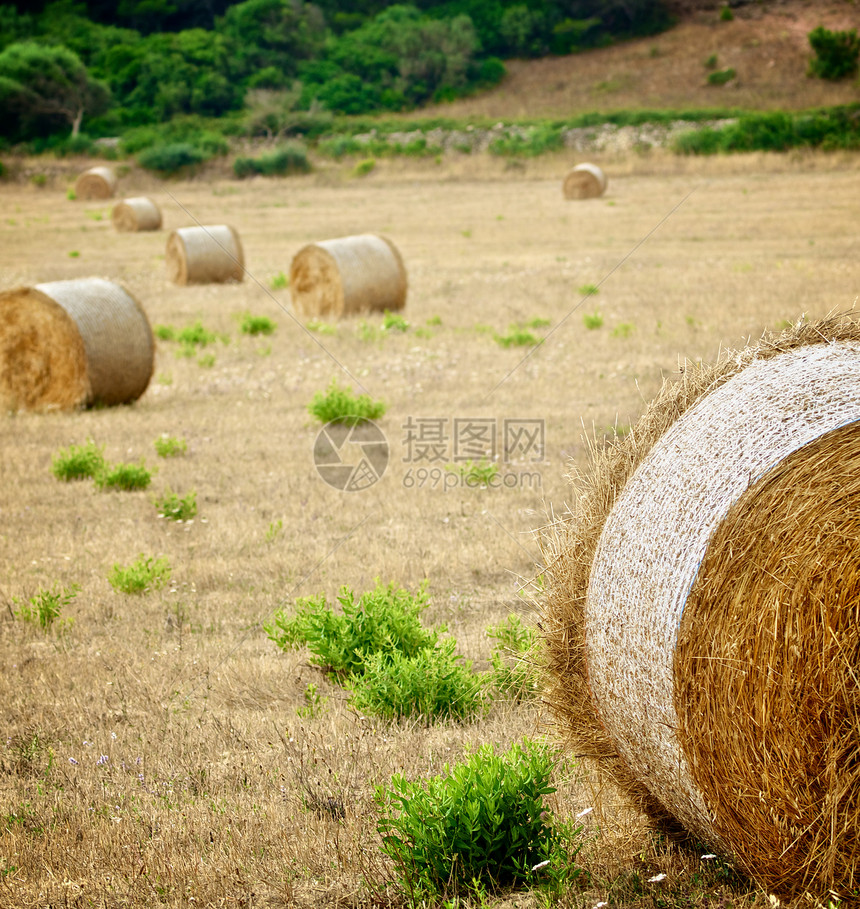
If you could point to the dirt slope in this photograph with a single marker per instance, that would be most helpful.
(766, 44)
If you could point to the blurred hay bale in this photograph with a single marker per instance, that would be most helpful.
(585, 181)
(67, 344)
(348, 275)
(205, 255)
(96, 183)
(702, 619)
(136, 213)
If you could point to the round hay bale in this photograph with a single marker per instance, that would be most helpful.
(205, 255)
(96, 183)
(703, 617)
(346, 276)
(585, 181)
(136, 213)
(67, 344)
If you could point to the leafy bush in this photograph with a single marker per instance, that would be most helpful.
(836, 53)
(517, 337)
(127, 477)
(340, 405)
(721, 76)
(483, 825)
(476, 474)
(176, 508)
(279, 281)
(171, 158)
(290, 158)
(592, 321)
(45, 607)
(386, 619)
(432, 684)
(257, 325)
(196, 335)
(164, 332)
(392, 321)
(338, 146)
(170, 447)
(364, 167)
(537, 140)
(78, 462)
(140, 576)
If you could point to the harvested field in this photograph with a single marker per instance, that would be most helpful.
(153, 749)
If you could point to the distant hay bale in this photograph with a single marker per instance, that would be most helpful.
(585, 181)
(68, 344)
(702, 620)
(205, 255)
(346, 276)
(96, 183)
(136, 213)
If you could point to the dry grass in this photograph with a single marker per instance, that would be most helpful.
(208, 766)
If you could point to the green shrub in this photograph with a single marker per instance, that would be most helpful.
(257, 325)
(196, 335)
(126, 477)
(592, 321)
(170, 447)
(588, 290)
(289, 158)
(432, 684)
(538, 140)
(386, 619)
(78, 462)
(392, 321)
(279, 281)
(338, 146)
(46, 606)
(711, 62)
(364, 167)
(475, 474)
(140, 576)
(176, 508)
(622, 330)
(721, 76)
(836, 53)
(481, 826)
(171, 158)
(321, 327)
(165, 332)
(726, 14)
(340, 405)
(517, 337)
(538, 322)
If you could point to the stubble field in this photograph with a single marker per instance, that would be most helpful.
(151, 750)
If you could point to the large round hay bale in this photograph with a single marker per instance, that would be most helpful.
(66, 344)
(96, 183)
(346, 276)
(136, 213)
(585, 181)
(205, 255)
(703, 616)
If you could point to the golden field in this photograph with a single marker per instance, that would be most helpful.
(152, 753)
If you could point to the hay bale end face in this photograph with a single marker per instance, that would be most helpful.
(703, 617)
(68, 344)
(347, 276)
(585, 181)
(136, 213)
(205, 255)
(96, 183)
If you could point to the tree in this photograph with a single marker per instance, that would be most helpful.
(41, 85)
(836, 53)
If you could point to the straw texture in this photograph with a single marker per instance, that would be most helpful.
(67, 344)
(346, 276)
(585, 181)
(136, 213)
(623, 575)
(205, 255)
(96, 183)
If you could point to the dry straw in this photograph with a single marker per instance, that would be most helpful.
(701, 620)
(136, 213)
(96, 183)
(585, 181)
(346, 276)
(67, 344)
(205, 255)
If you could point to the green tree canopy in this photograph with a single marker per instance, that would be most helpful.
(41, 85)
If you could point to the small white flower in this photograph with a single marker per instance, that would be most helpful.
(583, 813)
(708, 855)
(540, 865)
(600, 905)
(657, 878)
